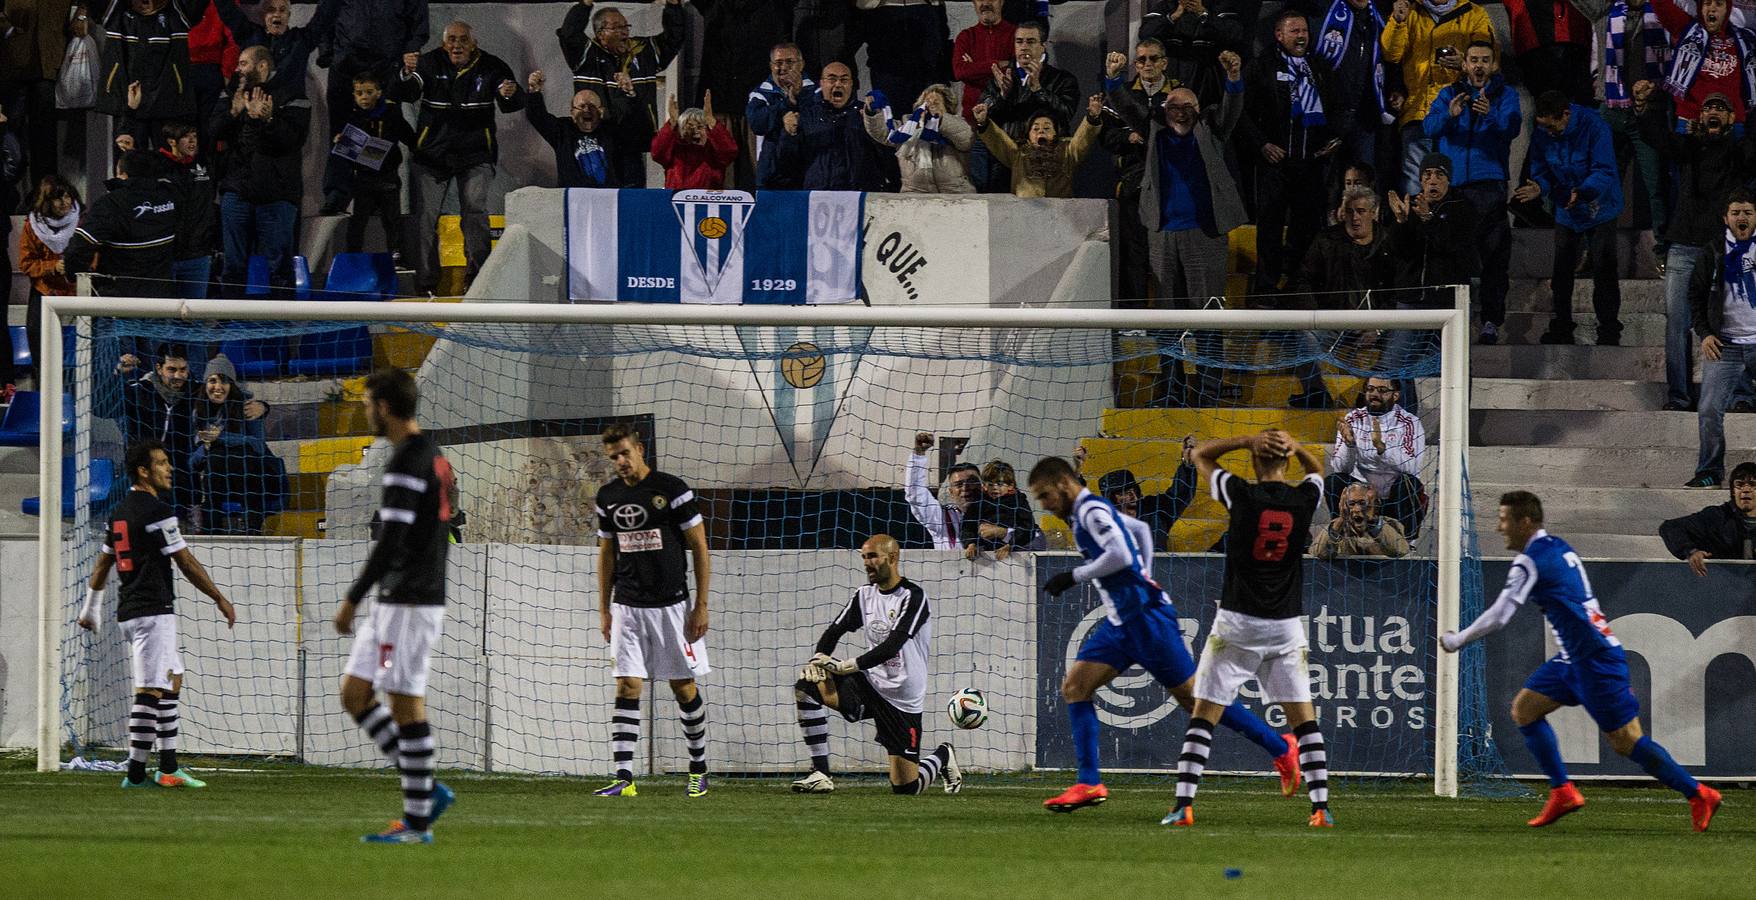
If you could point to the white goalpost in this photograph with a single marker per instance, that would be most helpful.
(1448, 501)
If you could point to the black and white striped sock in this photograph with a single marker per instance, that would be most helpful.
(1314, 762)
(930, 766)
(376, 722)
(694, 714)
(167, 723)
(143, 729)
(624, 734)
(414, 753)
(1197, 744)
(814, 722)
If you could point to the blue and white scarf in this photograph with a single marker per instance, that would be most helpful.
(1654, 41)
(1307, 105)
(1691, 53)
(1739, 269)
(590, 156)
(920, 124)
(1332, 41)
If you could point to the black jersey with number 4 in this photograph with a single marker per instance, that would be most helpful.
(414, 535)
(143, 537)
(646, 522)
(1265, 543)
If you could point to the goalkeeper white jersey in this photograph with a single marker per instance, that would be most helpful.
(897, 619)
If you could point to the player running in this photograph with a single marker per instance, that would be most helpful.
(645, 521)
(887, 684)
(142, 541)
(1139, 627)
(393, 648)
(1258, 633)
(1590, 670)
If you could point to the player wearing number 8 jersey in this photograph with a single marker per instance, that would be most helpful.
(1258, 633)
(1590, 669)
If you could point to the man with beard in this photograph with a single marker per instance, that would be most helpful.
(581, 144)
(1473, 122)
(264, 130)
(1711, 160)
(1026, 87)
(1717, 532)
(291, 47)
(769, 102)
(1426, 38)
(1722, 296)
(624, 70)
(1381, 445)
(824, 145)
(963, 484)
(1043, 165)
(1359, 530)
(1573, 161)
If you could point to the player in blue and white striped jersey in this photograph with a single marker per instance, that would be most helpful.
(1139, 628)
(1590, 670)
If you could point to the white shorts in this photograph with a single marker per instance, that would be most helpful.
(1272, 651)
(647, 642)
(393, 647)
(155, 656)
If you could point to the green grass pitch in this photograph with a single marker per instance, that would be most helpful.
(294, 833)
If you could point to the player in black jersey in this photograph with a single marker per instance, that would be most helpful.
(1258, 633)
(141, 542)
(646, 519)
(393, 648)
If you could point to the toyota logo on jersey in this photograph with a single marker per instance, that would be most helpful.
(628, 516)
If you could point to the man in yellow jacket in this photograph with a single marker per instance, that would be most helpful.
(1427, 37)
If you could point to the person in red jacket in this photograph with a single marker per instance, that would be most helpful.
(974, 54)
(694, 148)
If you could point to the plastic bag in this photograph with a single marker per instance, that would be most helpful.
(77, 87)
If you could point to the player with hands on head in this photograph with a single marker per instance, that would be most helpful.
(1139, 628)
(140, 544)
(886, 685)
(1589, 668)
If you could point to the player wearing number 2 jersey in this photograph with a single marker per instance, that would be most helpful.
(1590, 670)
(1258, 633)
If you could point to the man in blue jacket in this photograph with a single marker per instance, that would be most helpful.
(785, 88)
(1573, 163)
(1473, 122)
(824, 144)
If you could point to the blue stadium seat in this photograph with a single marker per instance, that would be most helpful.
(256, 277)
(20, 348)
(257, 357)
(22, 425)
(103, 481)
(347, 351)
(361, 276)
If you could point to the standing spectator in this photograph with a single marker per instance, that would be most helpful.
(1020, 90)
(213, 57)
(1043, 165)
(905, 44)
(1159, 511)
(1432, 242)
(1381, 445)
(1189, 204)
(1726, 531)
(963, 487)
(932, 144)
(1346, 262)
(1710, 55)
(48, 232)
(625, 71)
(737, 35)
(1427, 40)
(160, 405)
(33, 45)
(1722, 296)
(976, 53)
(1573, 163)
(1473, 123)
(694, 147)
(579, 140)
(377, 191)
(1193, 37)
(1131, 110)
(1711, 160)
(459, 85)
(1358, 529)
(128, 236)
(146, 43)
(768, 105)
(826, 32)
(198, 237)
(263, 130)
(1551, 41)
(366, 36)
(824, 144)
(1288, 97)
(1347, 39)
(1637, 49)
(290, 47)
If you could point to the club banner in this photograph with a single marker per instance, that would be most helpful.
(655, 246)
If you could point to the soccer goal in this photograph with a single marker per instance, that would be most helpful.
(797, 429)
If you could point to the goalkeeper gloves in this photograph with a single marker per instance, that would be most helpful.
(1059, 583)
(812, 674)
(840, 667)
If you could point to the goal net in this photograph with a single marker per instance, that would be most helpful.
(797, 431)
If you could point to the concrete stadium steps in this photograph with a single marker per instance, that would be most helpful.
(1533, 253)
(1639, 295)
(1567, 363)
(1590, 545)
(1537, 393)
(1533, 467)
(1591, 509)
(1594, 428)
(1639, 329)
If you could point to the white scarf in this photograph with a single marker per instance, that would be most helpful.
(1440, 10)
(56, 234)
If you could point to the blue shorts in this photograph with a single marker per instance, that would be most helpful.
(1152, 641)
(1600, 684)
